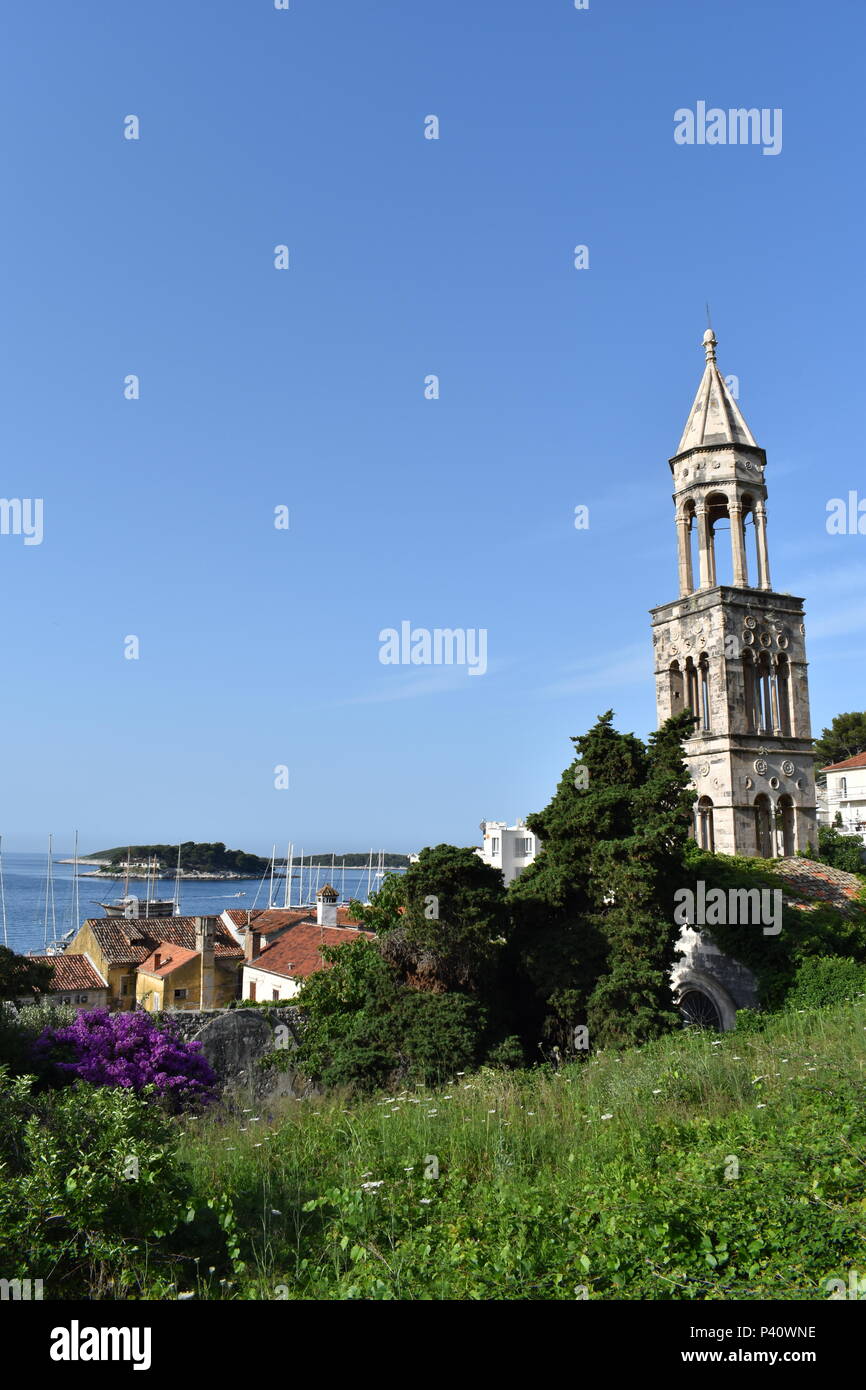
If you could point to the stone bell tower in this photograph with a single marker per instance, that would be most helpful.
(731, 648)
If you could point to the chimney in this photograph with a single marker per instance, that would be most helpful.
(326, 906)
(156, 960)
(252, 944)
(204, 939)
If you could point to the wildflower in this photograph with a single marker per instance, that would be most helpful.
(183, 1296)
(657, 1091)
(762, 1106)
(425, 1201)
(371, 1186)
(431, 1113)
(607, 1117)
(491, 1112)
(274, 1212)
(716, 1043)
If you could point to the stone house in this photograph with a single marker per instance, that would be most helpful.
(120, 946)
(76, 981)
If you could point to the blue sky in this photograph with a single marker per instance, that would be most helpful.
(305, 388)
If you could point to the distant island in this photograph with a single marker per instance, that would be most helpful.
(198, 860)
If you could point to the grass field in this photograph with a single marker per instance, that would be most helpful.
(698, 1167)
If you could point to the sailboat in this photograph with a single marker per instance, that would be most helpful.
(130, 905)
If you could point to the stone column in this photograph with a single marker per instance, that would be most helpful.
(703, 545)
(763, 557)
(738, 544)
(684, 554)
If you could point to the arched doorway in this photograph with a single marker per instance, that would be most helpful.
(785, 822)
(763, 827)
(697, 1010)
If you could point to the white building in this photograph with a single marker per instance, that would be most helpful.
(846, 795)
(508, 847)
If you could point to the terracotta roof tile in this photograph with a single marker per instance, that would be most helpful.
(297, 952)
(859, 760)
(170, 958)
(130, 940)
(72, 972)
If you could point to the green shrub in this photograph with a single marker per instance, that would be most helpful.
(89, 1177)
(824, 980)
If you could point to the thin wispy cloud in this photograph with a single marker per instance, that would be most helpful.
(628, 666)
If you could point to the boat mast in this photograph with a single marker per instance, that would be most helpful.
(75, 904)
(287, 891)
(3, 895)
(271, 892)
(49, 896)
(177, 886)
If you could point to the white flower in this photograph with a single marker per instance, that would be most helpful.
(274, 1212)
(183, 1296)
(762, 1106)
(370, 1186)
(717, 1043)
(607, 1117)
(658, 1091)
(425, 1201)
(432, 1112)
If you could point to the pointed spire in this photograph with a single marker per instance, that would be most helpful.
(715, 417)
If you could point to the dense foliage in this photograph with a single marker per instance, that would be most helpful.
(200, 858)
(840, 850)
(594, 932)
(845, 738)
(127, 1050)
(21, 977)
(691, 1169)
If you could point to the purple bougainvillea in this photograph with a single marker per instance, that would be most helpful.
(127, 1049)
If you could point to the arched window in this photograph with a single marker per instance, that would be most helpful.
(675, 677)
(764, 701)
(706, 831)
(785, 822)
(692, 691)
(843, 786)
(763, 827)
(704, 672)
(751, 694)
(783, 694)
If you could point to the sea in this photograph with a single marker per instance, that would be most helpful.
(33, 917)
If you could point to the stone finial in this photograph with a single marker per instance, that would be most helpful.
(710, 341)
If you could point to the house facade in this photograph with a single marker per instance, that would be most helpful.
(509, 848)
(279, 955)
(845, 795)
(120, 947)
(76, 981)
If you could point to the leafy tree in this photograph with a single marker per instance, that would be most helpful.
(364, 1027)
(839, 850)
(593, 915)
(20, 976)
(845, 738)
(454, 925)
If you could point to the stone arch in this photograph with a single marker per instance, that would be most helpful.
(750, 692)
(763, 827)
(692, 981)
(786, 823)
(676, 688)
(783, 694)
(706, 835)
